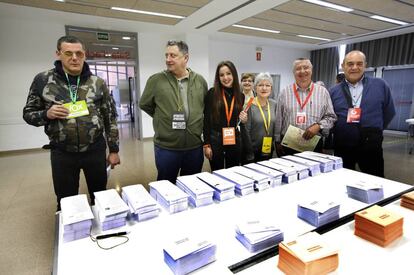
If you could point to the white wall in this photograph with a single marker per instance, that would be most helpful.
(275, 60)
(27, 42)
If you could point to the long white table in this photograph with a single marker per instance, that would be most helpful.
(359, 256)
(143, 254)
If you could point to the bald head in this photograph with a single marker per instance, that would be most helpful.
(354, 66)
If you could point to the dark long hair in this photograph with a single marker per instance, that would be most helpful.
(218, 103)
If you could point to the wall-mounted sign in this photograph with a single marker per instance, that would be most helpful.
(102, 36)
(258, 53)
(105, 54)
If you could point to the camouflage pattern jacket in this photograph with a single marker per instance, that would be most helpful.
(76, 134)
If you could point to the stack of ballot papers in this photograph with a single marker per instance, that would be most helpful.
(223, 189)
(378, 225)
(313, 166)
(309, 254)
(289, 174)
(318, 212)
(141, 205)
(303, 171)
(367, 192)
(200, 193)
(275, 176)
(188, 254)
(325, 163)
(169, 196)
(261, 181)
(407, 200)
(243, 185)
(77, 217)
(338, 163)
(111, 209)
(257, 235)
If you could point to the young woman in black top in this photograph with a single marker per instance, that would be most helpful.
(222, 111)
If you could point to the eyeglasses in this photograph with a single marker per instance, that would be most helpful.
(264, 86)
(79, 54)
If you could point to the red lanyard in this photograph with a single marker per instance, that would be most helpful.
(295, 89)
(226, 107)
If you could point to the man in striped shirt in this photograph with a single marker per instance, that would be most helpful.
(305, 105)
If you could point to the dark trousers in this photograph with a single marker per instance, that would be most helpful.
(170, 162)
(66, 168)
(224, 156)
(370, 160)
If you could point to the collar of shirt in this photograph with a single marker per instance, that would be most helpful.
(350, 85)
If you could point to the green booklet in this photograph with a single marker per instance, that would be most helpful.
(294, 140)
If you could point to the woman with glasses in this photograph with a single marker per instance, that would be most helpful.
(222, 112)
(260, 125)
(247, 80)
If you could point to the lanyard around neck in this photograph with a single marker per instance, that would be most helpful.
(226, 107)
(266, 123)
(73, 94)
(302, 105)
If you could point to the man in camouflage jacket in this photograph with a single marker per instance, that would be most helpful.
(76, 143)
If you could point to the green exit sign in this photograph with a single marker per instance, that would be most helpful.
(102, 36)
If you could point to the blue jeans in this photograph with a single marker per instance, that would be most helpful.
(170, 162)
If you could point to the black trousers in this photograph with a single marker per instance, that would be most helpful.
(66, 168)
(224, 156)
(367, 153)
(370, 160)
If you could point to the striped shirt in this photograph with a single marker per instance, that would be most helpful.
(318, 109)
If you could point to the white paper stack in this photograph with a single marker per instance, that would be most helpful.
(77, 217)
(257, 235)
(244, 185)
(111, 209)
(223, 189)
(338, 163)
(326, 164)
(318, 212)
(200, 193)
(276, 176)
(169, 196)
(303, 171)
(367, 192)
(188, 254)
(313, 166)
(141, 205)
(289, 174)
(261, 181)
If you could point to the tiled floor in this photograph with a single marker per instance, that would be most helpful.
(27, 200)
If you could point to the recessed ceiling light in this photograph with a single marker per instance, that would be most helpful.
(390, 20)
(255, 29)
(329, 5)
(148, 12)
(60, 1)
(313, 37)
(126, 37)
(115, 48)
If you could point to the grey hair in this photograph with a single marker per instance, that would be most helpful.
(182, 46)
(301, 59)
(263, 76)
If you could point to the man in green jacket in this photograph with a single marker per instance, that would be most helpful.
(174, 98)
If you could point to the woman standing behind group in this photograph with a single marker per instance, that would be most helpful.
(247, 80)
(260, 125)
(223, 108)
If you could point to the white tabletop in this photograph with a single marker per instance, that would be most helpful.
(143, 254)
(359, 256)
(410, 121)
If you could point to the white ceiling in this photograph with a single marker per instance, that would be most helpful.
(291, 18)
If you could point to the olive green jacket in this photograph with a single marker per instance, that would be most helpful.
(160, 101)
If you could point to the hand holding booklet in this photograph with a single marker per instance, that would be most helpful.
(293, 139)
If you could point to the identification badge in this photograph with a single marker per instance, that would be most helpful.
(229, 136)
(77, 109)
(178, 121)
(300, 118)
(354, 115)
(267, 145)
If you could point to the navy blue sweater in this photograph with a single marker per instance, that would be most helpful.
(377, 110)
